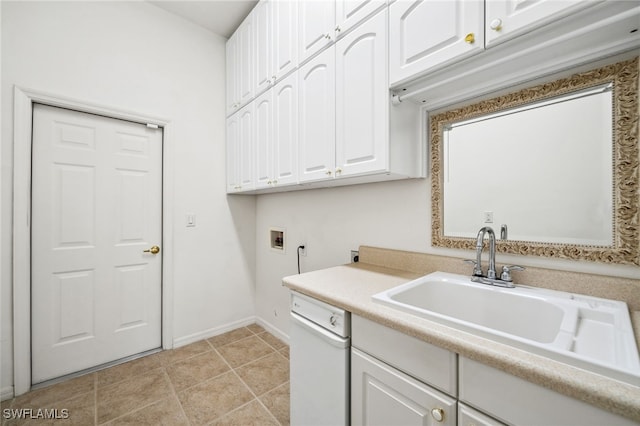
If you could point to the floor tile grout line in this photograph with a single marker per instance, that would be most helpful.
(137, 408)
(249, 388)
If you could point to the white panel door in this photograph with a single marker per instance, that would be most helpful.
(96, 206)
(425, 34)
(285, 137)
(317, 119)
(362, 99)
(506, 19)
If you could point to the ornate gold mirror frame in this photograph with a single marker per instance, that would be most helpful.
(626, 170)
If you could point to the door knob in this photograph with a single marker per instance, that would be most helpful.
(152, 250)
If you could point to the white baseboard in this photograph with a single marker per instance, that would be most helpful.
(6, 393)
(205, 334)
(272, 329)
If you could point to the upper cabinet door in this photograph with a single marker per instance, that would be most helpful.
(263, 125)
(506, 19)
(233, 172)
(233, 97)
(316, 106)
(362, 99)
(245, 60)
(350, 13)
(284, 48)
(285, 136)
(263, 45)
(316, 26)
(246, 148)
(425, 34)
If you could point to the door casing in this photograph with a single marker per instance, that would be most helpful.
(22, 141)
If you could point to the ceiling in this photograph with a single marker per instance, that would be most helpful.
(219, 16)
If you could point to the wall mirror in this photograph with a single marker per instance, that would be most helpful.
(553, 169)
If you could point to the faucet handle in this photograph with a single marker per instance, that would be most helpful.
(477, 269)
(506, 272)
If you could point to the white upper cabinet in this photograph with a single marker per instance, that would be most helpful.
(276, 41)
(506, 19)
(276, 135)
(316, 27)
(427, 34)
(233, 90)
(263, 125)
(245, 70)
(240, 148)
(285, 131)
(240, 66)
(245, 148)
(362, 102)
(284, 47)
(262, 24)
(350, 13)
(316, 85)
(233, 154)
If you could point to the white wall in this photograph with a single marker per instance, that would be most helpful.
(136, 57)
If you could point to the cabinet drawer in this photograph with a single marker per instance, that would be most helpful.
(382, 395)
(428, 363)
(516, 401)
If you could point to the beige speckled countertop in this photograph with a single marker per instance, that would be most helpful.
(351, 287)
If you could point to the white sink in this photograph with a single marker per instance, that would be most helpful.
(587, 332)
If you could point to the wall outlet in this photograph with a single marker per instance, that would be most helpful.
(355, 256)
(302, 251)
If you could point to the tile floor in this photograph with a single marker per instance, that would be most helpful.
(237, 378)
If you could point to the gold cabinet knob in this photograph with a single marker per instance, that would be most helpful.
(152, 250)
(470, 38)
(338, 171)
(438, 414)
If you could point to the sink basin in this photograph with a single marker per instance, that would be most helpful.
(587, 332)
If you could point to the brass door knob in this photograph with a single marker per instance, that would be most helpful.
(152, 250)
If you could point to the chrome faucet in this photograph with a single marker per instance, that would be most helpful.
(491, 278)
(491, 271)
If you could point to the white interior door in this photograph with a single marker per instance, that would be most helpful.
(96, 206)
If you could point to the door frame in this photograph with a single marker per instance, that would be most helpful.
(22, 149)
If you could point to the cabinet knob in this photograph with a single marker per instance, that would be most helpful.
(338, 171)
(327, 36)
(437, 414)
(268, 182)
(496, 24)
(470, 38)
(338, 29)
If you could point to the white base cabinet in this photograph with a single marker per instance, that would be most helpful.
(517, 401)
(397, 379)
(382, 395)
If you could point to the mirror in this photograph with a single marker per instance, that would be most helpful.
(552, 168)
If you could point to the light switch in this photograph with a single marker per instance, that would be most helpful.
(191, 220)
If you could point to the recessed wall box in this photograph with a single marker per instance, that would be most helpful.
(277, 239)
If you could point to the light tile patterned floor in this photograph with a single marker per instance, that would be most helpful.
(237, 378)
